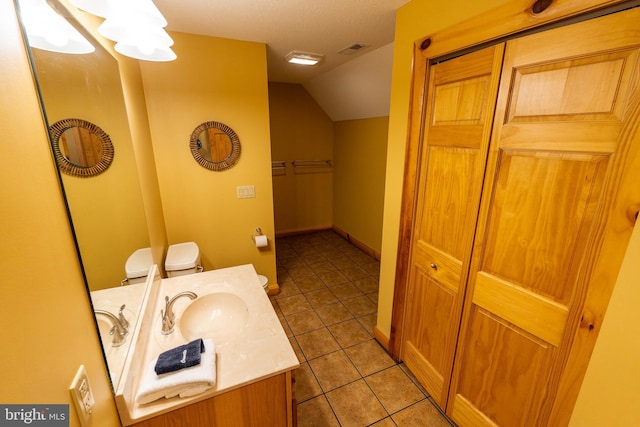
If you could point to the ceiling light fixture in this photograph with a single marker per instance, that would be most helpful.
(137, 28)
(49, 31)
(303, 58)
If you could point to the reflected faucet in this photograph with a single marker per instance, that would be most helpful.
(168, 317)
(120, 325)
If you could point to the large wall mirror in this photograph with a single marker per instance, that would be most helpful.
(106, 209)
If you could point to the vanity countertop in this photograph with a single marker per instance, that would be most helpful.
(259, 351)
(111, 299)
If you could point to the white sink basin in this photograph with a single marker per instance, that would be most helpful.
(221, 316)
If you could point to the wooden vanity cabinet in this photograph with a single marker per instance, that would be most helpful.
(269, 403)
(526, 193)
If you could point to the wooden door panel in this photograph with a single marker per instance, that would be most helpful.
(566, 122)
(457, 128)
(543, 204)
(589, 88)
(447, 191)
(504, 375)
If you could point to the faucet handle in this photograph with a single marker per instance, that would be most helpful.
(123, 320)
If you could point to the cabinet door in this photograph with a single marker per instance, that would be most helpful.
(544, 260)
(460, 106)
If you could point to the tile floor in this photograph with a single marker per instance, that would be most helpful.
(327, 306)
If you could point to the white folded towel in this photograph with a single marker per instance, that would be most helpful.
(184, 383)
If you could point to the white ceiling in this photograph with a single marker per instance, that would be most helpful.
(319, 26)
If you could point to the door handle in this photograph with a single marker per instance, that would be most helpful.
(433, 265)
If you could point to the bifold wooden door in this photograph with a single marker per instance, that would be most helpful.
(566, 123)
(525, 181)
(460, 104)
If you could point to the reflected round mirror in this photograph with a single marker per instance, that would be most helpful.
(215, 146)
(80, 147)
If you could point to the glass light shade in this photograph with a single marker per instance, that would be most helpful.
(126, 14)
(49, 31)
(99, 8)
(158, 54)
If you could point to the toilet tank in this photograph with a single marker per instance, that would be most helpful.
(138, 265)
(182, 258)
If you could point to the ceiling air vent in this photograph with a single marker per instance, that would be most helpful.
(350, 50)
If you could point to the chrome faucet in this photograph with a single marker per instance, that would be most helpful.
(120, 326)
(168, 317)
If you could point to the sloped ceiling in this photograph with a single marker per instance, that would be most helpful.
(346, 86)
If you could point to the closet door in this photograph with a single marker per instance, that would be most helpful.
(565, 129)
(457, 127)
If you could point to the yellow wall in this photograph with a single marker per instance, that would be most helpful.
(213, 80)
(360, 149)
(107, 210)
(300, 130)
(48, 328)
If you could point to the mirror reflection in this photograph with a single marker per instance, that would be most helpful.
(81, 148)
(215, 146)
(106, 210)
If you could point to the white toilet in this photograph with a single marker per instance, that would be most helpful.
(182, 259)
(137, 266)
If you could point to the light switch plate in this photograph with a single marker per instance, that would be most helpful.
(82, 396)
(246, 191)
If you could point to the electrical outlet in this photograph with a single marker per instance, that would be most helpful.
(82, 396)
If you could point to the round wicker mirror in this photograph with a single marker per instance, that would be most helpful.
(80, 147)
(215, 146)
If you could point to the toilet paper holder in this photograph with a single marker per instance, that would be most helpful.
(258, 233)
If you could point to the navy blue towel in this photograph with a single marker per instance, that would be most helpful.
(180, 357)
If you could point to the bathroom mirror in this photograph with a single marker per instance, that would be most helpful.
(215, 146)
(81, 148)
(106, 211)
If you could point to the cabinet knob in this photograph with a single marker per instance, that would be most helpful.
(433, 265)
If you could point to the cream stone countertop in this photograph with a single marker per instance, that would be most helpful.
(111, 299)
(260, 350)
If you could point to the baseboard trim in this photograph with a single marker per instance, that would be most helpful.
(287, 233)
(381, 338)
(357, 243)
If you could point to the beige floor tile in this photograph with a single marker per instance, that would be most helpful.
(387, 422)
(346, 291)
(359, 306)
(300, 271)
(293, 304)
(355, 405)
(422, 414)
(287, 289)
(394, 389)
(311, 283)
(317, 343)
(349, 333)
(332, 278)
(334, 370)
(367, 285)
(304, 321)
(297, 350)
(316, 413)
(369, 321)
(320, 297)
(307, 386)
(369, 357)
(333, 313)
